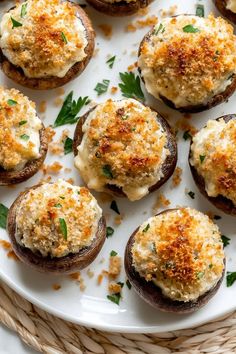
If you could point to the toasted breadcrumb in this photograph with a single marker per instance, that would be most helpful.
(5, 244)
(184, 125)
(95, 53)
(11, 254)
(106, 30)
(169, 12)
(114, 267)
(42, 107)
(56, 287)
(71, 181)
(118, 219)
(100, 279)
(130, 28)
(132, 66)
(90, 273)
(176, 179)
(143, 12)
(114, 90)
(50, 133)
(149, 21)
(161, 202)
(75, 276)
(105, 197)
(58, 102)
(60, 91)
(114, 288)
(54, 168)
(67, 170)
(56, 149)
(210, 214)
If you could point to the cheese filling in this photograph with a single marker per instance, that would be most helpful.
(231, 5)
(57, 219)
(189, 59)
(214, 157)
(43, 37)
(181, 252)
(19, 130)
(123, 145)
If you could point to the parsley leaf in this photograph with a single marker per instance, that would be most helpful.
(70, 109)
(11, 102)
(186, 135)
(217, 217)
(115, 298)
(15, 23)
(111, 61)
(129, 286)
(230, 278)
(106, 170)
(200, 10)
(113, 253)
(63, 228)
(225, 240)
(23, 10)
(160, 29)
(202, 158)
(102, 87)
(110, 231)
(190, 29)
(68, 143)
(22, 122)
(146, 228)
(25, 137)
(114, 207)
(3, 216)
(191, 194)
(130, 86)
(64, 37)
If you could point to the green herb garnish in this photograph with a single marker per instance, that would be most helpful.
(191, 194)
(3, 216)
(202, 158)
(114, 298)
(130, 86)
(200, 275)
(146, 228)
(200, 10)
(11, 102)
(111, 61)
(210, 265)
(24, 137)
(129, 286)
(160, 29)
(15, 23)
(225, 240)
(113, 254)
(63, 228)
(190, 29)
(23, 10)
(68, 143)
(114, 207)
(106, 170)
(217, 217)
(109, 232)
(70, 109)
(64, 37)
(102, 87)
(62, 197)
(58, 205)
(186, 135)
(120, 283)
(230, 278)
(22, 122)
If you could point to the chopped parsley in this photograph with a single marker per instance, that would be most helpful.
(62, 197)
(200, 275)
(107, 172)
(202, 158)
(153, 247)
(11, 102)
(114, 207)
(146, 228)
(113, 253)
(64, 37)
(225, 240)
(200, 11)
(130, 86)
(129, 286)
(102, 87)
(186, 135)
(191, 194)
(23, 10)
(190, 29)
(109, 232)
(70, 109)
(68, 144)
(111, 61)
(120, 283)
(15, 23)
(3, 216)
(230, 278)
(217, 217)
(58, 205)
(25, 137)
(22, 122)
(160, 29)
(114, 298)
(63, 228)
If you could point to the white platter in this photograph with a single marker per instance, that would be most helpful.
(91, 307)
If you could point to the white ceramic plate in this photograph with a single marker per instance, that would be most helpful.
(91, 307)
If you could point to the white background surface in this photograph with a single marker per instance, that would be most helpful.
(11, 344)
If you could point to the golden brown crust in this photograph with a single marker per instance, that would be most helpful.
(16, 74)
(120, 8)
(221, 6)
(66, 264)
(220, 202)
(152, 294)
(30, 169)
(168, 166)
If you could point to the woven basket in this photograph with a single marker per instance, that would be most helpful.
(51, 335)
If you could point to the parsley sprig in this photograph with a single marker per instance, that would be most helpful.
(68, 144)
(130, 86)
(3, 216)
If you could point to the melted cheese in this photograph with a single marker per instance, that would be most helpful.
(19, 130)
(49, 41)
(181, 252)
(38, 219)
(123, 145)
(231, 5)
(216, 142)
(189, 68)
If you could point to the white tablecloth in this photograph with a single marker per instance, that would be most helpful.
(11, 344)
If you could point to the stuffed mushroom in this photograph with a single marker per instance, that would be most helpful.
(124, 148)
(23, 139)
(227, 8)
(45, 43)
(175, 260)
(119, 7)
(212, 161)
(56, 227)
(189, 62)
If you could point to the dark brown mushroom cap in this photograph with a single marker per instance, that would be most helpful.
(153, 295)
(221, 6)
(16, 73)
(213, 101)
(220, 201)
(121, 8)
(168, 166)
(67, 264)
(31, 167)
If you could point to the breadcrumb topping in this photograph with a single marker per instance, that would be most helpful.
(189, 59)
(214, 157)
(57, 219)
(231, 5)
(49, 40)
(19, 130)
(123, 145)
(180, 251)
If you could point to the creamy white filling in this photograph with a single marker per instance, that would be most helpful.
(231, 5)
